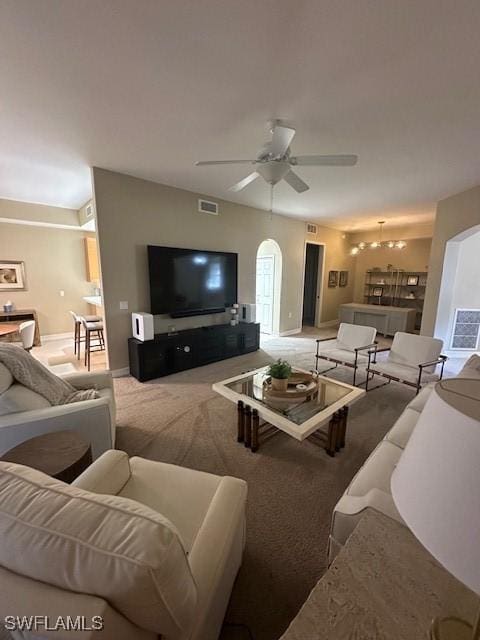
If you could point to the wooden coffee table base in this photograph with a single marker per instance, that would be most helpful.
(250, 430)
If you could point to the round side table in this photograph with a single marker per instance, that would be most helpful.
(60, 454)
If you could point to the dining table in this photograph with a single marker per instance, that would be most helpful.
(6, 328)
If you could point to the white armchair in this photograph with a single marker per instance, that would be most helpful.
(348, 349)
(411, 360)
(152, 548)
(24, 414)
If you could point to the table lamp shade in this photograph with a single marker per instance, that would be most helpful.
(436, 485)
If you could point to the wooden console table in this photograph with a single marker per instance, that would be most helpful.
(383, 585)
(18, 316)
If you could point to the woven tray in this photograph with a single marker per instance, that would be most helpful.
(292, 392)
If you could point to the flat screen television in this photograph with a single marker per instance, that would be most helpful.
(189, 282)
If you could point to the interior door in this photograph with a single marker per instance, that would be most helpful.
(310, 285)
(264, 298)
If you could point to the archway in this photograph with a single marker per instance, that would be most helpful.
(458, 312)
(268, 286)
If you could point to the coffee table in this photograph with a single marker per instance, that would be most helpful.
(321, 416)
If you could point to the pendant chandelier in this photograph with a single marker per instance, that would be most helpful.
(378, 244)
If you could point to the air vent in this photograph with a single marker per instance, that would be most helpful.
(89, 210)
(312, 228)
(466, 329)
(205, 206)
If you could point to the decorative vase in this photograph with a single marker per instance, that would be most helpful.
(280, 384)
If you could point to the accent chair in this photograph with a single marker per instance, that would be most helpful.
(349, 349)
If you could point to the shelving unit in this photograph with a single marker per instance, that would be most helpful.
(396, 291)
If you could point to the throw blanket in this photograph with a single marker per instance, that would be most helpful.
(32, 374)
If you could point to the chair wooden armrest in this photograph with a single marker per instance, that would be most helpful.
(367, 346)
(441, 359)
(379, 350)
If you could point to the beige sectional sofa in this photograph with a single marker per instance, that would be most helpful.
(371, 485)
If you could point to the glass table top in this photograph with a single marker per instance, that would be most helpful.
(297, 410)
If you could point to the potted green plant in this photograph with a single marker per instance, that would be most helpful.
(279, 372)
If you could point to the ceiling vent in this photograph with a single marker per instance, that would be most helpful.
(205, 206)
(89, 210)
(312, 228)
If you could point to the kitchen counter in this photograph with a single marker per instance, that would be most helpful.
(386, 319)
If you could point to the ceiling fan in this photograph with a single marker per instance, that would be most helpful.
(274, 162)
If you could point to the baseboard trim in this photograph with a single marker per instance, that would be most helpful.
(56, 336)
(290, 332)
(120, 373)
(329, 323)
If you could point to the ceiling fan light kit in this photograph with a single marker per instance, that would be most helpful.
(378, 244)
(274, 162)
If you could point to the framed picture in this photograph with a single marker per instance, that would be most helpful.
(343, 280)
(12, 275)
(412, 281)
(377, 292)
(332, 278)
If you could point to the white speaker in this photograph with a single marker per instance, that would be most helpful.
(142, 326)
(247, 312)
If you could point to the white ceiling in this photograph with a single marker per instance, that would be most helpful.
(147, 87)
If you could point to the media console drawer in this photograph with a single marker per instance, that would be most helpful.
(167, 354)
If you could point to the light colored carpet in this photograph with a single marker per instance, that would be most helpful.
(293, 486)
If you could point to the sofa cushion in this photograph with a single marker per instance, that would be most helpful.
(101, 545)
(6, 378)
(377, 470)
(420, 400)
(185, 497)
(471, 369)
(401, 431)
(19, 398)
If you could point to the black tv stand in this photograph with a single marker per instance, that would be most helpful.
(170, 353)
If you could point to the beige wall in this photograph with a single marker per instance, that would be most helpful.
(455, 215)
(54, 261)
(13, 210)
(414, 257)
(410, 232)
(337, 258)
(132, 213)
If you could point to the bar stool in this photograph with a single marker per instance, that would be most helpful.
(98, 344)
(77, 338)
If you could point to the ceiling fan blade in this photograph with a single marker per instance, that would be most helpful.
(202, 163)
(296, 182)
(243, 183)
(281, 139)
(325, 161)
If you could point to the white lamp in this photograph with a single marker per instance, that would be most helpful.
(436, 489)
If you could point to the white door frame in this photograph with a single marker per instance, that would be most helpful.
(272, 256)
(320, 287)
